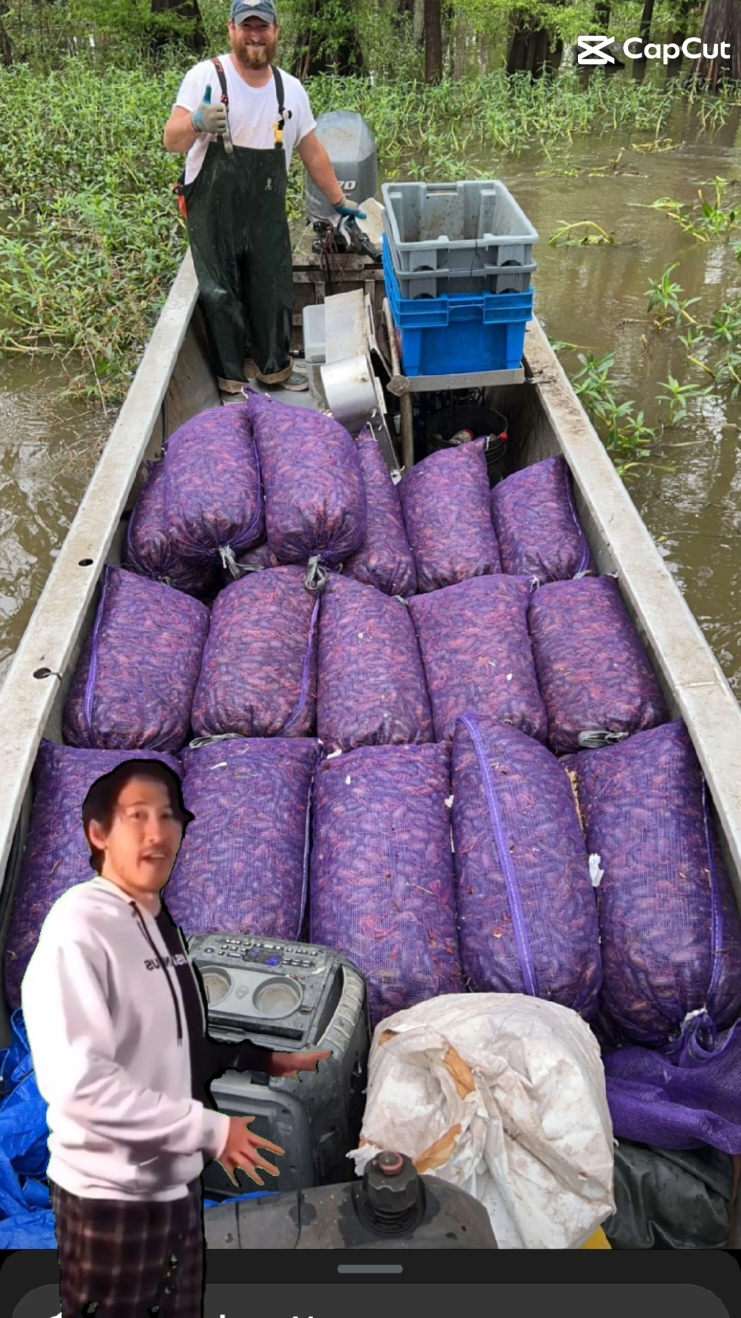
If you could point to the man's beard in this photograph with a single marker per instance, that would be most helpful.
(252, 56)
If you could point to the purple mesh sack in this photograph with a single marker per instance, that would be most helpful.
(371, 684)
(385, 560)
(445, 500)
(258, 675)
(527, 916)
(57, 855)
(477, 656)
(134, 683)
(382, 873)
(537, 528)
(315, 502)
(671, 932)
(212, 493)
(681, 1097)
(243, 865)
(148, 548)
(594, 675)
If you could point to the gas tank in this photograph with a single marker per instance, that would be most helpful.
(391, 1208)
(352, 149)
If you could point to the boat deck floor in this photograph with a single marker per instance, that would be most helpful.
(304, 399)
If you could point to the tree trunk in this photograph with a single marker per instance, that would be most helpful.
(433, 41)
(644, 32)
(6, 45)
(722, 23)
(602, 15)
(418, 25)
(187, 9)
(674, 66)
(320, 48)
(532, 51)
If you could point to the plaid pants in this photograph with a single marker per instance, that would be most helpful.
(122, 1259)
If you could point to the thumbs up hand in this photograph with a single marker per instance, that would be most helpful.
(209, 118)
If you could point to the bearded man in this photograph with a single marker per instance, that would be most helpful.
(238, 118)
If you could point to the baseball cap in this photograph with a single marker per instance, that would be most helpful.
(243, 9)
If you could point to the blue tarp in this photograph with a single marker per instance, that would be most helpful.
(26, 1217)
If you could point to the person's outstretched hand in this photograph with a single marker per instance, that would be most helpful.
(242, 1149)
(286, 1066)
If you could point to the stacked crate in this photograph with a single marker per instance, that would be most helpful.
(458, 261)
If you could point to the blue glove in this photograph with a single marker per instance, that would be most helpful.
(350, 208)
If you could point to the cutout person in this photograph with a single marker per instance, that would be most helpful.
(116, 1022)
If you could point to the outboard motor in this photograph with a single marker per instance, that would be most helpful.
(351, 147)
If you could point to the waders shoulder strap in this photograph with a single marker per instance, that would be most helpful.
(283, 113)
(222, 80)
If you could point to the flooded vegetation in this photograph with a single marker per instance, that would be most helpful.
(642, 299)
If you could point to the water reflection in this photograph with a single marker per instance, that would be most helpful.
(48, 450)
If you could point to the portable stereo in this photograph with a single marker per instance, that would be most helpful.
(291, 997)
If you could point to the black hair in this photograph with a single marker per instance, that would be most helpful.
(101, 801)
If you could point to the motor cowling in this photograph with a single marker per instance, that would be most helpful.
(351, 147)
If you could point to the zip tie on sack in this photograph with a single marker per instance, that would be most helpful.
(317, 576)
(595, 741)
(229, 561)
(519, 926)
(582, 567)
(208, 741)
(716, 909)
(596, 874)
(305, 672)
(92, 676)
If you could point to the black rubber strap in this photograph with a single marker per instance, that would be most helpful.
(280, 94)
(283, 113)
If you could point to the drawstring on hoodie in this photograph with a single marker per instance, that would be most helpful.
(137, 913)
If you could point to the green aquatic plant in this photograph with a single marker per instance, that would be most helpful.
(663, 295)
(580, 234)
(623, 430)
(704, 219)
(679, 396)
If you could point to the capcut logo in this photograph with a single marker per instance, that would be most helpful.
(596, 50)
(593, 50)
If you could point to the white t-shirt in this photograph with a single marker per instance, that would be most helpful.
(253, 111)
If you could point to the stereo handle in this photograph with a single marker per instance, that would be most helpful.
(342, 1025)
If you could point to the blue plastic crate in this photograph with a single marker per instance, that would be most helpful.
(460, 334)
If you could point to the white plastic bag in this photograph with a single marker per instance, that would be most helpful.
(504, 1096)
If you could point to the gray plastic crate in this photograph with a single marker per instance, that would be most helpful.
(438, 226)
(475, 277)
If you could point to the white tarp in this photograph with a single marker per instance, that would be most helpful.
(504, 1096)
